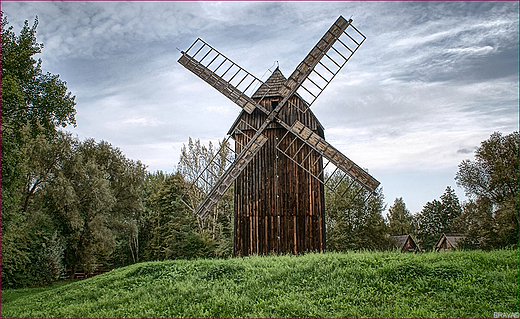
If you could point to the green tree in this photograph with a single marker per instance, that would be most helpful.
(126, 178)
(479, 224)
(41, 99)
(33, 105)
(36, 257)
(173, 231)
(95, 198)
(208, 165)
(399, 218)
(494, 176)
(438, 217)
(352, 223)
(30, 99)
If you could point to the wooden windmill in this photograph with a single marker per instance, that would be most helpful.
(281, 156)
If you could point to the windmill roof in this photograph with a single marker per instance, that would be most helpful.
(272, 86)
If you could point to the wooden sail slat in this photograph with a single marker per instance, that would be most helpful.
(229, 176)
(333, 155)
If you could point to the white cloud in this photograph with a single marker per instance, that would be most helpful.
(472, 50)
(432, 78)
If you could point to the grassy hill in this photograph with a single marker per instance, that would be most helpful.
(366, 284)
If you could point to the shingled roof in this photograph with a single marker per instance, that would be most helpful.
(272, 86)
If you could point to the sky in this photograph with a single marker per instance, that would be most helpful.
(431, 82)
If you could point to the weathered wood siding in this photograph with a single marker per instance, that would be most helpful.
(278, 206)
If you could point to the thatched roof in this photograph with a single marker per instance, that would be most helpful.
(405, 242)
(401, 240)
(449, 241)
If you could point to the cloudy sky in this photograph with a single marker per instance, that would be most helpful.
(432, 80)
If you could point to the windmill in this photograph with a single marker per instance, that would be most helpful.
(282, 162)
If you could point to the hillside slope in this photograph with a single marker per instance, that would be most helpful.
(366, 284)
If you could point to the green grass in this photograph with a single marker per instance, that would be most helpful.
(366, 284)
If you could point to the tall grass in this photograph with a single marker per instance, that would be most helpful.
(365, 284)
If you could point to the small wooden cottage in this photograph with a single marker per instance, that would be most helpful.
(449, 242)
(405, 243)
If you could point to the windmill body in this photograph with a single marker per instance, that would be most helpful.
(279, 207)
(280, 151)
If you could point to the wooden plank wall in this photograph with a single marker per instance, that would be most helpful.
(278, 206)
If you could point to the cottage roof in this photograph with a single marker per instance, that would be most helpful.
(454, 239)
(401, 240)
(451, 239)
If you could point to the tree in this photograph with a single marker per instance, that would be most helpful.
(31, 96)
(479, 224)
(399, 218)
(438, 217)
(351, 223)
(494, 176)
(33, 105)
(173, 231)
(209, 165)
(81, 199)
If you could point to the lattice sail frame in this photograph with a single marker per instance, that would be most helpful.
(341, 165)
(309, 80)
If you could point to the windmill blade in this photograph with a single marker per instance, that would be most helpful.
(324, 61)
(319, 145)
(223, 74)
(200, 181)
(230, 175)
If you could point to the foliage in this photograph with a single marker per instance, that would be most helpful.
(438, 217)
(399, 218)
(492, 183)
(172, 228)
(479, 224)
(31, 96)
(76, 196)
(33, 105)
(351, 223)
(202, 166)
(363, 284)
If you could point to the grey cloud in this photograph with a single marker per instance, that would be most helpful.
(437, 76)
(465, 151)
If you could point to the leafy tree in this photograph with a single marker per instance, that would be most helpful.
(438, 217)
(125, 178)
(351, 223)
(33, 105)
(479, 225)
(429, 226)
(173, 228)
(202, 166)
(451, 211)
(32, 102)
(81, 198)
(31, 96)
(399, 218)
(494, 176)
